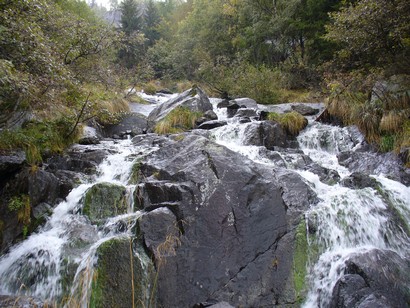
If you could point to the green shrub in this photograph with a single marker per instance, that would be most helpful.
(178, 120)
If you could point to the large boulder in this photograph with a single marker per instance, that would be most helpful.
(305, 110)
(124, 275)
(224, 228)
(104, 200)
(377, 278)
(11, 162)
(130, 125)
(265, 133)
(245, 102)
(194, 99)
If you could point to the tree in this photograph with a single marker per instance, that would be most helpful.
(132, 50)
(151, 22)
(372, 33)
(130, 17)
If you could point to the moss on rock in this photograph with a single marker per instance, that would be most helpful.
(104, 200)
(123, 276)
(300, 260)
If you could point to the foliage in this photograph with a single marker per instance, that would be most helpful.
(372, 33)
(178, 120)
(21, 205)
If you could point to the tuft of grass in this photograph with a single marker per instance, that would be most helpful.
(178, 120)
(151, 87)
(293, 122)
(392, 121)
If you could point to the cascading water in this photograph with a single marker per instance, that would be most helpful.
(345, 221)
(35, 266)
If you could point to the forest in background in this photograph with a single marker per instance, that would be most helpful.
(65, 62)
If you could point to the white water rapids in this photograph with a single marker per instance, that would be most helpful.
(346, 220)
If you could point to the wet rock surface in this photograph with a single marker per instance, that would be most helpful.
(377, 278)
(388, 164)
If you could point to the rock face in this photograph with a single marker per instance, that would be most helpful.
(374, 279)
(104, 200)
(194, 99)
(225, 233)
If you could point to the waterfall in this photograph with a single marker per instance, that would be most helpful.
(35, 267)
(344, 222)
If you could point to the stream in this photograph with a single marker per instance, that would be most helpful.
(344, 222)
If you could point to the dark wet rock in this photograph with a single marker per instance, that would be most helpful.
(248, 113)
(326, 118)
(245, 103)
(209, 115)
(305, 110)
(104, 200)
(89, 140)
(374, 163)
(122, 268)
(194, 99)
(223, 104)
(78, 161)
(232, 109)
(212, 124)
(296, 194)
(359, 180)
(213, 304)
(404, 155)
(327, 176)
(377, 278)
(165, 91)
(12, 162)
(265, 133)
(21, 301)
(43, 187)
(130, 125)
(232, 224)
(160, 231)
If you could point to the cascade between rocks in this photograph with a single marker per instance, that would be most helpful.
(339, 237)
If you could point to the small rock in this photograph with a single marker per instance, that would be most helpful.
(212, 124)
(359, 180)
(305, 110)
